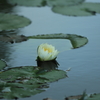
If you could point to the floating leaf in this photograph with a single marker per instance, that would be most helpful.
(18, 90)
(2, 64)
(84, 9)
(77, 97)
(39, 3)
(64, 2)
(20, 82)
(54, 75)
(13, 38)
(76, 40)
(94, 97)
(33, 3)
(10, 21)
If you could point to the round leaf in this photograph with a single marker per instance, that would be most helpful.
(94, 97)
(27, 2)
(84, 9)
(63, 2)
(10, 21)
(24, 81)
(45, 2)
(54, 75)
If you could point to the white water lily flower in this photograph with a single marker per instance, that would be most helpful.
(47, 52)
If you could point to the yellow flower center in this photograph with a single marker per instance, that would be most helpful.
(47, 49)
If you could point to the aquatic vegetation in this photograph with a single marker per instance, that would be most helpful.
(46, 52)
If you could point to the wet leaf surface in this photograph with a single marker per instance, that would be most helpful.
(84, 9)
(76, 40)
(94, 96)
(20, 82)
(65, 7)
(33, 3)
(11, 22)
(63, 2)
(39, 3)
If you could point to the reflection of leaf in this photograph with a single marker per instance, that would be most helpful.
(76, 40)
(10, 22)
(5, 7)
(13, 38)
(46, 66)
(24, 82)
(84, 9)
(39, 3)
(2, 64)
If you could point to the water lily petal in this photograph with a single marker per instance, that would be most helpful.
(47, 52)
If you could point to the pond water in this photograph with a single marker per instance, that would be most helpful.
(84, 61)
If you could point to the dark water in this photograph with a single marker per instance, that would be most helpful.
(84, 61)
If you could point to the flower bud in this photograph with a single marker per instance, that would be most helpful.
(46, 52)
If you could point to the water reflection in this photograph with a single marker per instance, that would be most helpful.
(4, 51)
(6, 48)
(46, 66)
(5, 7)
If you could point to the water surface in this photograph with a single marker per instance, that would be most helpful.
(84, 61)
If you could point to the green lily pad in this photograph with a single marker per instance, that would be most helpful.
(2, 64)
(20, 82)
(40, 3)
(76, 40)
(18, 90)
(63, 2)
(84, 9)
(11, 22)
(33, 3)
(54, 75)
(94, 97)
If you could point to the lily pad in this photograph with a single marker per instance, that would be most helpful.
(33, 3)
(94, 97)
(39, 3)
(20, 82)
(11, 22)
(54, 75)
(84, 9)
(76, 40)
(17, 90)
(63, 2)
